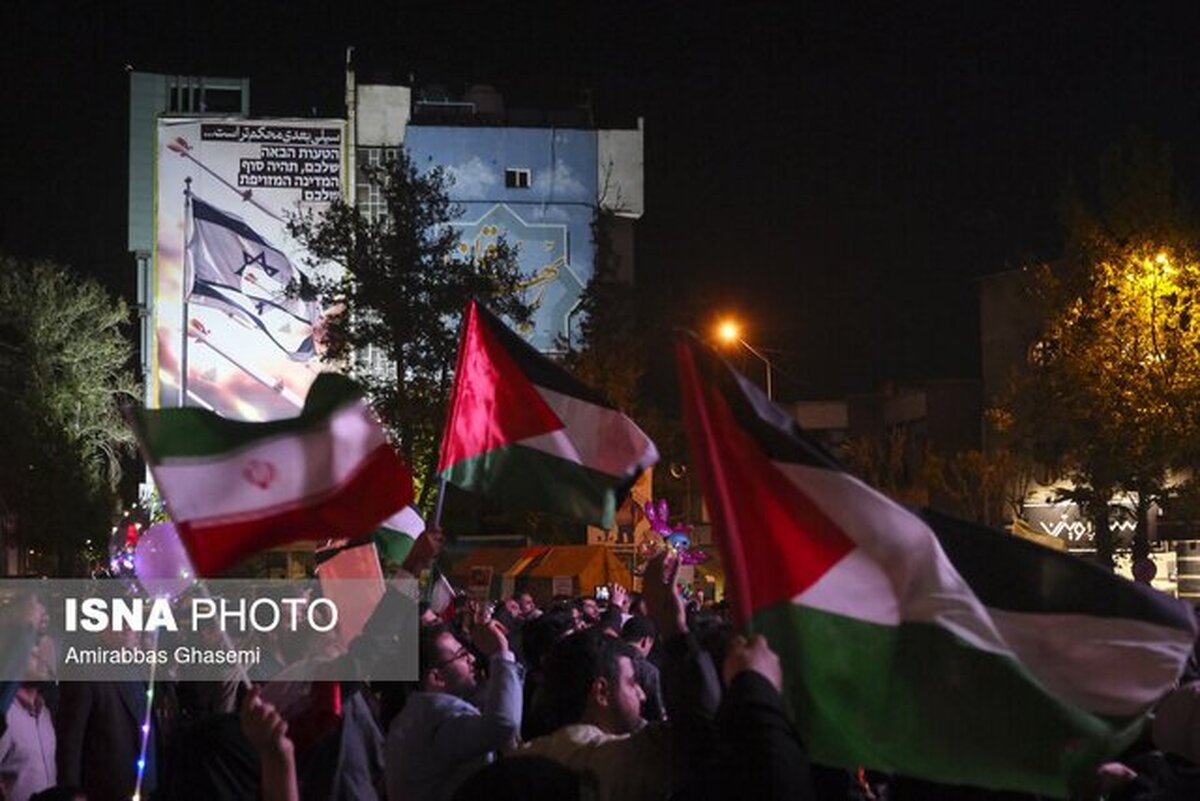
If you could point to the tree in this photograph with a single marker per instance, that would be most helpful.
(622, 326)
(1113, 390)
(985, 485)
(67, 367)
(886, 462)
(614, 335)
(395, 307)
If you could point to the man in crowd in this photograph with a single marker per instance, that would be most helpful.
(589, 612)
(640, 633)
(440, 737)
(596, 702)
(528, 607)
(757, 746)
(27, 748)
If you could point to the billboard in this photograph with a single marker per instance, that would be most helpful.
(536, 187)
(228, 335)
(1065, 521)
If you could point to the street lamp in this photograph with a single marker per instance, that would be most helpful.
(729, 332)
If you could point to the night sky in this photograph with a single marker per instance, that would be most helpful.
(838, 173)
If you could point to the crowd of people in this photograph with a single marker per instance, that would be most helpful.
(647, 696)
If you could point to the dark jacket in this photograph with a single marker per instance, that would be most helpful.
(757, 746)
(99, 738)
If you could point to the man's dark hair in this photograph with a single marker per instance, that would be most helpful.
(573, 665)
(502, 616)
(638, 627)
(539, 636)
(60, 792)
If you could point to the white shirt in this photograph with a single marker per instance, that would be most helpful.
(27, 750)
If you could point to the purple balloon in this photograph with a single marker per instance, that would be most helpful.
(161, 563)
(663, 513)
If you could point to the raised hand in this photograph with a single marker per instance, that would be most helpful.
(265, 728)
(619, 598)
(753, 654)
(267, 732)
(490, 638)
(663, 601)
(427, 548)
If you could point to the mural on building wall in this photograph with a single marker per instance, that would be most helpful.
(536, 188)
(227, 335)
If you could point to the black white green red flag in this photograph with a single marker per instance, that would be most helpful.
(235, 488)
(524, 430)
(916, 643)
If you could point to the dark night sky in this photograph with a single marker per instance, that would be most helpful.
(840, 173)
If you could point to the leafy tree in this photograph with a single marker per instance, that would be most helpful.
(67, 371)
(613, 333)
(622, 326)
(396, 305)
(984, 485)
(886, 462)
(1113, 390)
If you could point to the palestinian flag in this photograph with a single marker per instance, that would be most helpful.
(235, 488)
(523, 430)
(395, 536)
(916, 643)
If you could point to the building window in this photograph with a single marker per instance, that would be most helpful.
(369, 198)
(192, 96)
(516, 178)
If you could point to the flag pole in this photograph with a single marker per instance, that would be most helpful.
(458, 368)
(437, 513)
(183, 293)
(181, 147)
(277, 388)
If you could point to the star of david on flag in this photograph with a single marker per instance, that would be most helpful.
(235, 269)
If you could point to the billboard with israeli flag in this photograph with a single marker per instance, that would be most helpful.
(229, 334)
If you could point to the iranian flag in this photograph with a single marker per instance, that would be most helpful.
(914, 643)
(523, 430)
(440, 594)
(236, 488)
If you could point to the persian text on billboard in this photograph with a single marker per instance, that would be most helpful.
(230, 336)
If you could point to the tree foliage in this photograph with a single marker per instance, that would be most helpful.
(613, 334)
(887, 462)
(395, 306)
(986, 486)
(1112, 393)
(67, 367)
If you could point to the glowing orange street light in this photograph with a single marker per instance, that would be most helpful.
(729, 332)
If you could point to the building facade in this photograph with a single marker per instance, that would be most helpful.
(535, 178)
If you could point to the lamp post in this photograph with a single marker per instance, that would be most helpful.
(730, 333)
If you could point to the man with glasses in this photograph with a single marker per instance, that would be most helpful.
(440, 737)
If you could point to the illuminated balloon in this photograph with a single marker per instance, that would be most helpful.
(678, 539)
(161, 563)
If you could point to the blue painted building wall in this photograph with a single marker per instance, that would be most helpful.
(550, 220)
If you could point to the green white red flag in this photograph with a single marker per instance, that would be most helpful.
(522, 429)
(915, 643)
(395, 536)
(236, 488)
